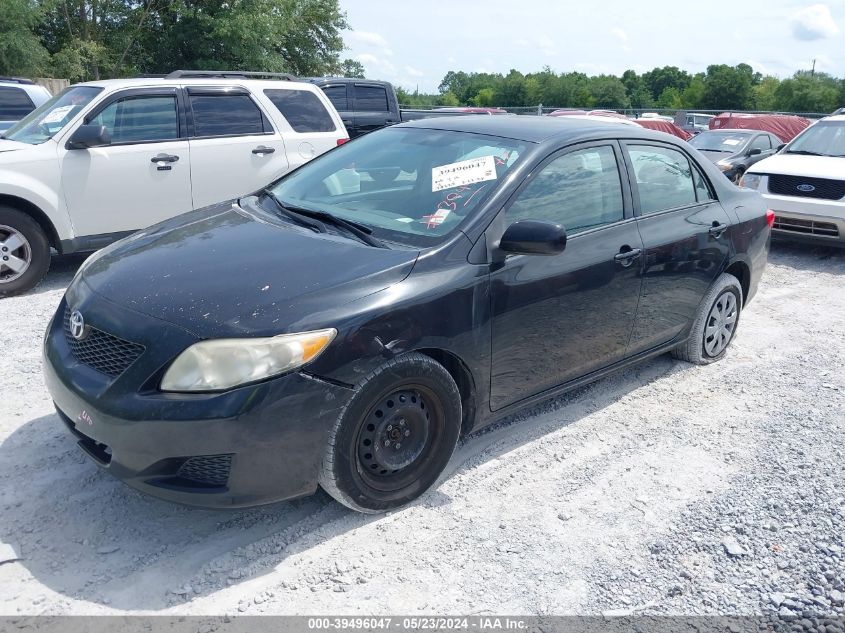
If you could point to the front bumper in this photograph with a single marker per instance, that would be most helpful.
(248, 446)
(807, 219)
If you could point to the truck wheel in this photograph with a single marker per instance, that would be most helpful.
(715, 323)
(24, 252)
(394, 437)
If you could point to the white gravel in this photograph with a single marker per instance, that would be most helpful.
(664, 489)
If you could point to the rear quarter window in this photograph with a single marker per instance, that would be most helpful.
(14, 103)
(302, 109)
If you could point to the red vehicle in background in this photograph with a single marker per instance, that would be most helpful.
(664, 126)
(785, 126)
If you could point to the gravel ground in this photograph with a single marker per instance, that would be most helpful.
(665, 489)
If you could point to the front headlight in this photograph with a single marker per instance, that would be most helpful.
(224, 363)
(750, 181)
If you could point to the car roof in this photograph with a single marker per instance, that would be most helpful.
(532, 129)
(139, 82)
(838, 118)
(736, 130)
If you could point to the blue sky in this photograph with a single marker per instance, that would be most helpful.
(415, 43)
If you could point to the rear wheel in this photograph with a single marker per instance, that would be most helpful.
(715, 324)
(24, 252)
(395, 436)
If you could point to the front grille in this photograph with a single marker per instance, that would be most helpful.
(107, 354)
(806, 227)
(210, 470)
(823, 188)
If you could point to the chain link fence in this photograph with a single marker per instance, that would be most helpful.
(540, 109)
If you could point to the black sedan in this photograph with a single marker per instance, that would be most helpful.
(346, 325)
(734, 151)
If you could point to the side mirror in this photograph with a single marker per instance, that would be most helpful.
(532, 237)
(89, 136)
(781, 146)
(755, 152)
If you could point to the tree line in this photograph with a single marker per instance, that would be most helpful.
(722, 87)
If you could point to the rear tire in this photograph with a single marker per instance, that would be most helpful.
(715, 323)
(24, 252)
(395, 437)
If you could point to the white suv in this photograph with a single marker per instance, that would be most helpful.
(804, 184)
(19, 97)
(103, 159)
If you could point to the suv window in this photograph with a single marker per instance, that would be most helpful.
(761, 142)
(664, 178)
(140, 118)
(580, 190)
(302, 109)
(337, 95)
(225, 115)
(14, 103)
(371, 98)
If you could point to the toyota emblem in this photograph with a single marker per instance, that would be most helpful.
(77, 325)
(806, 188)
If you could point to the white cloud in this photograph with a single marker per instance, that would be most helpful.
(414, 72)
(546, 45)
(369, 38)
(814, 22)
(618, 33)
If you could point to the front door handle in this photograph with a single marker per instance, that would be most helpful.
(164, 158)
(717, 229)
(261, 150)
(627, 255)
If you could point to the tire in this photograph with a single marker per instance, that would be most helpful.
(410, 399)
(27, 256)
(701, 348)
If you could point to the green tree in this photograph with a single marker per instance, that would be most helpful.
(659, 79)
(765, 93)
(692, 97)
(728, 87)
(671, 99)
(485, 97)
(21, 52)
(607, 91)
(806, 92)
(352, 68)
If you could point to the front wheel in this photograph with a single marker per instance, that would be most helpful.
(395, 436)
(715, 323)
(24, 252)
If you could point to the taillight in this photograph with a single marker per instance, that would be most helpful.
(341, 141)
(770, 217)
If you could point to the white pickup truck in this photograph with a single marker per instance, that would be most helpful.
(103, 159)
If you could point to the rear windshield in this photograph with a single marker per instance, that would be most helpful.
(411, 186)
(302, 109)
(728, 142)
(825, 138)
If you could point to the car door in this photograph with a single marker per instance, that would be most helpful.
(234, 148)
(555, 318)
(685, 233)
(371, 106)
(141, 177)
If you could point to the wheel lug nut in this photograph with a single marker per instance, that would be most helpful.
(402, 422)
(5, 249)
(389, 427)
(5, 258)
(386, 443)
(407, 432)
(397, 445)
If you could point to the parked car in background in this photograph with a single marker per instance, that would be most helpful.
(567, 112)
(694, 122)
(784, 126)
(654, 115)
(105, 158)
(472, 110)
(734, 151)
(805, 184)
(19, 97)
(314, 335)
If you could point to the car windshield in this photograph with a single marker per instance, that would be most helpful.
(826, 138)
(729, 142)
(409, 185)
(48, 120)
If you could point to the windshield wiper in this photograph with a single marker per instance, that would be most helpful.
(361, 231)
(319, 227)
(804, 152)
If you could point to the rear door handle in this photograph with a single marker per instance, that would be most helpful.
(164, 158)
(717, 229)
(627, 257)
(261, 150)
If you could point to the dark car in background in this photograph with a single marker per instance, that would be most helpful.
(734, 151)
(344, 327)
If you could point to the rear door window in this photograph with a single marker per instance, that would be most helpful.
(302, 109)
(371, 99)
(226, 115)
(664, 178)
(14, 103)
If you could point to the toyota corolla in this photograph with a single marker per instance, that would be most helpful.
(345, 326)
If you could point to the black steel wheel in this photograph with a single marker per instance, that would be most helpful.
(395, 436)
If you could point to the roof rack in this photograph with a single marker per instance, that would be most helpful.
(226, 74)
(17, 80)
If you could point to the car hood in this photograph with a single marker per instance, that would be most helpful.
(717, 156)
(225, 271)
(798, 165)
(9, 146)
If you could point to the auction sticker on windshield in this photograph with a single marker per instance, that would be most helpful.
(57, 115)
(464, 172)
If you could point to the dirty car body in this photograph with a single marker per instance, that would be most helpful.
(510, 329)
